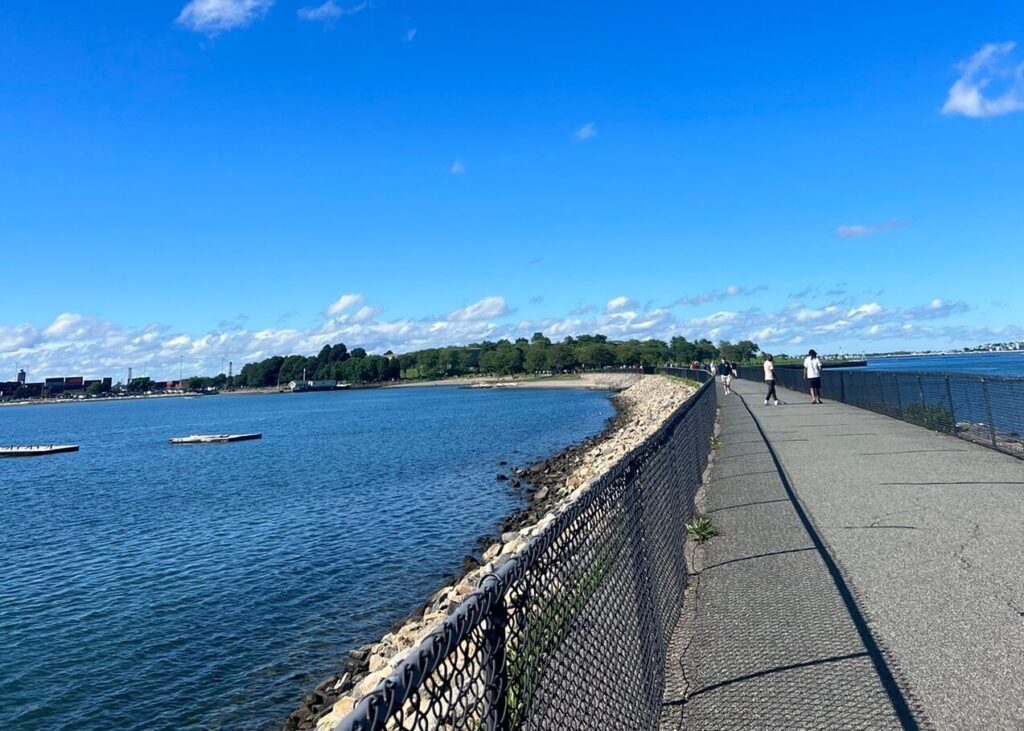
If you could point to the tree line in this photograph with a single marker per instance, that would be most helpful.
(332, 363)
(536, 355)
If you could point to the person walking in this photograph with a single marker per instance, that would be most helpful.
(726, 370)
(769, 378)
(812, 372)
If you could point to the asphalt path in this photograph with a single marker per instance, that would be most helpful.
(927, 532)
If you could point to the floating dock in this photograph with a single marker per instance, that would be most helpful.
(37, 450)
(214, 438)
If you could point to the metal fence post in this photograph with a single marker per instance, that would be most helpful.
(988, 412)
(949, 395)
(495, 668)
(920, 388)
(899, 401)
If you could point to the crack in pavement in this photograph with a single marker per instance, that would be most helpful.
(1000, 591)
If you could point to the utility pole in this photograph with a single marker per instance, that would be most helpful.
(181, 365)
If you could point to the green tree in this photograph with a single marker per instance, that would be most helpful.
(562, 358)
(292, 369)
(629, 353)
(747, 350)
(705, 350)
(536, 359)
(654, 353)
(489, 361)
(339, 353)
(728, 351)
(683, 351)
(139, 385)
(596, 354)
(508, 359)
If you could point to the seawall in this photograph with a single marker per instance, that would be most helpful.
(555, 484)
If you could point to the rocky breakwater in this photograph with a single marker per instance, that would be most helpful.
(552, 485)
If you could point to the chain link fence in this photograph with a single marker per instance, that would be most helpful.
(571, 632)
(987, 410)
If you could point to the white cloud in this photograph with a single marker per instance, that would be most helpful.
(587, 132)
(992, 63)
(619, 304)
(364, 314)
(179, 341)
(409, 35)
(330, 11)
(15, 338)
(485, 309)
(458, 168)
(63, 325)
(214, 16)
(868, 310)
(805, 315)
(716, 295)
(76, 344)
(346, 301)
(936, 309)
(849, 232)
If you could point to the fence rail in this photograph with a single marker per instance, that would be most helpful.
(987, 410)
(572, 632)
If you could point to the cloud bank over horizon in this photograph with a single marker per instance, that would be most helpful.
(78, 344)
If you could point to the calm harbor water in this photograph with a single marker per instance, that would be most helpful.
(991, 364)
(144, 585)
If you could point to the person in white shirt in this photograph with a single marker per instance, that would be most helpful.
(812, 372)
(769, 378)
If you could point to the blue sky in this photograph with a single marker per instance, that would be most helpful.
(201, 181)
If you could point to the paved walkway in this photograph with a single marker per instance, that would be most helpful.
(868, 574)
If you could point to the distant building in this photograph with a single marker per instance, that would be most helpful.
(54, 386)
(21, 376)
(20, 390)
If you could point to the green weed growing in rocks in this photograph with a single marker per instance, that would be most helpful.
(716, 441)
(937, 418)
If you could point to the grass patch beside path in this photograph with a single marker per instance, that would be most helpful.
(685, 381)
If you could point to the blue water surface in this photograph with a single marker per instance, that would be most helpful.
(144, 585)
(1004, 363)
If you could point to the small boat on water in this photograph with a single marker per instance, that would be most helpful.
(37, 450)
(214, 438)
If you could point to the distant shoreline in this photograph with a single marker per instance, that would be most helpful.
(944, 354)
(581, 381)
(138, 397)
